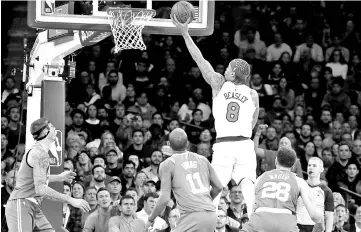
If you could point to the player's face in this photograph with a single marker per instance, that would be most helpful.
(221, 219)
(314, 167)
(127, 207)
(352, 171)
(104, 199)
(91, 196)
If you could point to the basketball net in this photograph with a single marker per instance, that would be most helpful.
(127, 25)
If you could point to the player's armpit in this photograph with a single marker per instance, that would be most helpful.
(255, 100)
(214, 79)
(40, 162)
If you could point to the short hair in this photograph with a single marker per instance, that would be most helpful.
(307, 124)
(97, 166)
(124, 198)
(89, 188)
(353, 162)
(100, 190)
(67, 184)
(99, 156)
(156, 114)
(137, 130)
(195, 111)
(128, 162)
(345, 144)
(131, 189)
(286, 157)
(148, 195)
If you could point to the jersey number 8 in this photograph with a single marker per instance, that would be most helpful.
(232, 112)
(279, 191)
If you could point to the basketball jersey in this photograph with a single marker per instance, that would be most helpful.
(25, 187)
(191, 182)
(277, 189)
(323, 202)
(233, 111)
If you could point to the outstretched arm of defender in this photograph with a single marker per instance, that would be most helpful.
(255, 100)
(214, 79)
(40, 162)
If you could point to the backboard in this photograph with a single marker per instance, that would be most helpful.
(92, 15)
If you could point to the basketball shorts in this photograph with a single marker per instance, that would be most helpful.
(234, 160)
(23, 215)
(196, 222)
(271, 222)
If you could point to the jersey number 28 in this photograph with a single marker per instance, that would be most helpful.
(279, 191)
(194, 178)
(232, 112)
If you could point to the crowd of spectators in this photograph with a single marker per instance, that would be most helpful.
(120, 108)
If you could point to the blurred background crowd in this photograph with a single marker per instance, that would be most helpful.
(120, 108)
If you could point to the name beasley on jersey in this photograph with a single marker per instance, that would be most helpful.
(189, 164)
(235, 95)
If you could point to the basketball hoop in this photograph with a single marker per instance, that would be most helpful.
(127, 25)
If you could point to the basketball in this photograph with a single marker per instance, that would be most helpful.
(183, 10)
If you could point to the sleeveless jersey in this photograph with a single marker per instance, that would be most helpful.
(233, 111)
(277, 189)
(25, 187)
(191, 182)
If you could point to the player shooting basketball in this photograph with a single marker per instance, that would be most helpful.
(23, 211)
(235, 109)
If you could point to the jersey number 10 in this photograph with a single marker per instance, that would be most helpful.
(192, 178)
(279, 191)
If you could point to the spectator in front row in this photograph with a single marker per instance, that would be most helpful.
(98, 220)
(126, 222)
(150, 201)
(152, 171)
(221, 222)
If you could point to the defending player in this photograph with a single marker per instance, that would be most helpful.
(189, 176)
(235, 109)
(277, 192)
(23, 211)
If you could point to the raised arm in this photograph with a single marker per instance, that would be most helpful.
(214, 79)
(260, 129)
(255, 100)
(40, 161)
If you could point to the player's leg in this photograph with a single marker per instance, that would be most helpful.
(222, 162)
(41, 222)
(19, 215)
(244, 171)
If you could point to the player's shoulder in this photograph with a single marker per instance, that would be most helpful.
(325, 189)
(253, 92)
